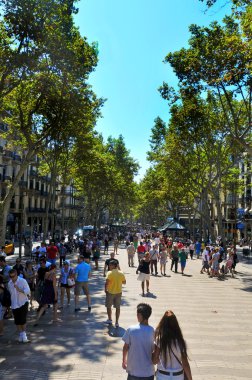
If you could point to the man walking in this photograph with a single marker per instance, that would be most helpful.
(138, 346)
(174, 258)
(83, 273)
(113, 290)
(108, 261)
(19, 291)
(131, 254)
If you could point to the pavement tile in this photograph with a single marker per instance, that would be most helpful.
(215, 317)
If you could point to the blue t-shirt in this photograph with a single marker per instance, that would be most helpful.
(140, 339)
(197, 246)
(82, 270)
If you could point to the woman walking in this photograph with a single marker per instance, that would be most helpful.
(49, 294)
(170, 351)
(66, 277)
(163, 260)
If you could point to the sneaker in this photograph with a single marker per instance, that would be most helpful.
(108, 322)
(77, 309)
(117, 325)
(25, 340)
(89, 308)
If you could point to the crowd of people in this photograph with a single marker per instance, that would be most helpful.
(48, 277)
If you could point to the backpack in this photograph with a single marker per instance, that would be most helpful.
(6, 300)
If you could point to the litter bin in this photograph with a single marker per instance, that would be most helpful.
(246, 252)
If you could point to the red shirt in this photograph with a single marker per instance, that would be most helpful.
(141, 249)
(52, 251)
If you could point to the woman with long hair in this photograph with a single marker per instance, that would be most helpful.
(49, 294)
(170, 353)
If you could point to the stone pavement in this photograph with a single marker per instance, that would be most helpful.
(215, 316)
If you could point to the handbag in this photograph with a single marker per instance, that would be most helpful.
(70, 281)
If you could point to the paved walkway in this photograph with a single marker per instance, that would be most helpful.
(215, 316)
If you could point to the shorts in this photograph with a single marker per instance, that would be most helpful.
(81, 285)
(52, 261)
(65, 286)
(205, 265)
(183, 263)
(20, 314)
(113, 300)
(143, 277)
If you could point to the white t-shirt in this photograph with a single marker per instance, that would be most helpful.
(140, 339)
(172, 363)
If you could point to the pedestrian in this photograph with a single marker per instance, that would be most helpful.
(5, 269)
(5, 302)
(66, 282)
(29, 275)
(154, 257)
(140, 251)
(106, 245)
(19, 267)
(174, 257)
(131, 254)
(215, 263)
(163, 260)
(113, 289)
(170, 352)
(19, 292)
(198, 248)
(116, 244)
(40, 280)
(138, 346)
(52, 253)
(49, 294)
(182, 258)
(82, 273)
(107, 262)
(191, 249)
(62, 253)
(144, 275)
(205, 260)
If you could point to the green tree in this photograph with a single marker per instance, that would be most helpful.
(51, 101)
(218, 60)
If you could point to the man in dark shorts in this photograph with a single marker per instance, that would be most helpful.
(19, 291)
(107, 262)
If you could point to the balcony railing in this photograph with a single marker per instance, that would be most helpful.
(7, 154)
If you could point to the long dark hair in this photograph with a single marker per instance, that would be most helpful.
(168, 334)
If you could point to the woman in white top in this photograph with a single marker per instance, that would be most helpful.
(170, 353)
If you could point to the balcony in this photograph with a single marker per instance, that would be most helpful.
(35, 210)
(7, 178)
(23, 184)
(33, 173)
(17, 158)
(44, 193)
(7, 154)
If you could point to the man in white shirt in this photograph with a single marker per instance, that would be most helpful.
(138, 346)
(19, 291)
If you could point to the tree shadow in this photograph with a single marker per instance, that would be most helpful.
(116, 332)
(81, 335)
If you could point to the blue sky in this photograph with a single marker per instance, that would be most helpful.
(133, 37)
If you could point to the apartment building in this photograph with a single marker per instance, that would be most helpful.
(36, 204)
